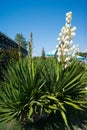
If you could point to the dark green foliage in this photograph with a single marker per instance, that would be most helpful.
(20, 39)
(83, 54)
(10, 55)
(64, 87)
(42, 93)
(43, 53)
(7, 56)
(20, 92)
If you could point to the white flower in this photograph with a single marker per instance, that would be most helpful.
(73, 29)
(58, 38)
(60, 34)
(58, 59)
(66, 31)
(77, 49)
(62, 30)
(71, 42)
(67, 25)
(73, 47)
(67, 59)
(67, 14)
(56, 46)
(59, 42)
(58, 53)
(59, 49)
(73, 54)
(70, 13)
(68, 19)
(66, 49)
(73, 34)
(66, 65)
(86, 88)
(66, 42)
(67, 38)
(61, 45)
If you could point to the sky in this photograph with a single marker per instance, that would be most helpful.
(44, 18)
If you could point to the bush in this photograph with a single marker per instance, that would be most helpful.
(7, 56)
(34, 92)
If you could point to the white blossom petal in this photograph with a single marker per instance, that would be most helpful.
(73, 29)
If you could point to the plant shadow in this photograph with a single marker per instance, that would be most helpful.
(77, 120)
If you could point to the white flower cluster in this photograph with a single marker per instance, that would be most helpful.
(65, 49)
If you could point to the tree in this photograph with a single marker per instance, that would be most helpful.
(83, 54)
(7, 56)
(43, 53)
(20, 39)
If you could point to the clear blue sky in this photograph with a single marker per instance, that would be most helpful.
(44, 18)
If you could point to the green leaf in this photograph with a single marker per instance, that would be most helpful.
(64, 117)
(47, 110)
(53, 107)
(30, 112)
(73, 105)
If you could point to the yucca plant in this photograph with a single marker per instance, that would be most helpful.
(32, 92)
(63, 87)
(20, 92)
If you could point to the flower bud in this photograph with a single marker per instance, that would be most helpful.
(72, 35)
(56, 46)
(67, 25)
(73, 29)
(60, 34)
(58, 39)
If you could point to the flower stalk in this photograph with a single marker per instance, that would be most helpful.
(65, 49)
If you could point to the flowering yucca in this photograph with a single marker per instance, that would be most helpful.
(65, 49)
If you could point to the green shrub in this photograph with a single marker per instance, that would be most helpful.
(20, 92)
(34, 92)
(64, 87)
